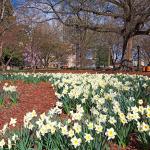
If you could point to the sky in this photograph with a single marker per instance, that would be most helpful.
(17, 2)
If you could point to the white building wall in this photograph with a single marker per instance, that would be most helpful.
(71, 61)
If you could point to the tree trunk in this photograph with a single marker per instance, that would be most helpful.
(7, 63)
(129, 49)
(109, 57)
(125, 42)
(112, 61)
(124, 48)
(46, 63)
(1, 53)
(1, 48)
(33, 69)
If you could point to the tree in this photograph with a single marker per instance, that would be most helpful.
(50, 46)
(128, 18)
(45, 46)
(144, 44)
(13, 45)
(81, 40)
(12, 60)
(146, 49)
(10, 25)
(6, 15)
(6, 19)
(101, 57)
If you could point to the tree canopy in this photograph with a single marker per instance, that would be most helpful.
(128, 18)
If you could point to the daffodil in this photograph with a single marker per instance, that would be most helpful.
(88, 137)
(112, 120)
(110, 133)
(90, 125)
(64, 130)
(71, 133)
(76, 142)
(13, 122)
(98, 128)
(9, 144)
(2, 143)
(77, 127)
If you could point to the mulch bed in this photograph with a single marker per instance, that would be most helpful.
(92, 71)
(39, 97)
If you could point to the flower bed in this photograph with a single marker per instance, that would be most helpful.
(40, 97)
(103, 110)
(10, 92)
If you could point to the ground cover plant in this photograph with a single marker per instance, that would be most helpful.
(101, 110)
